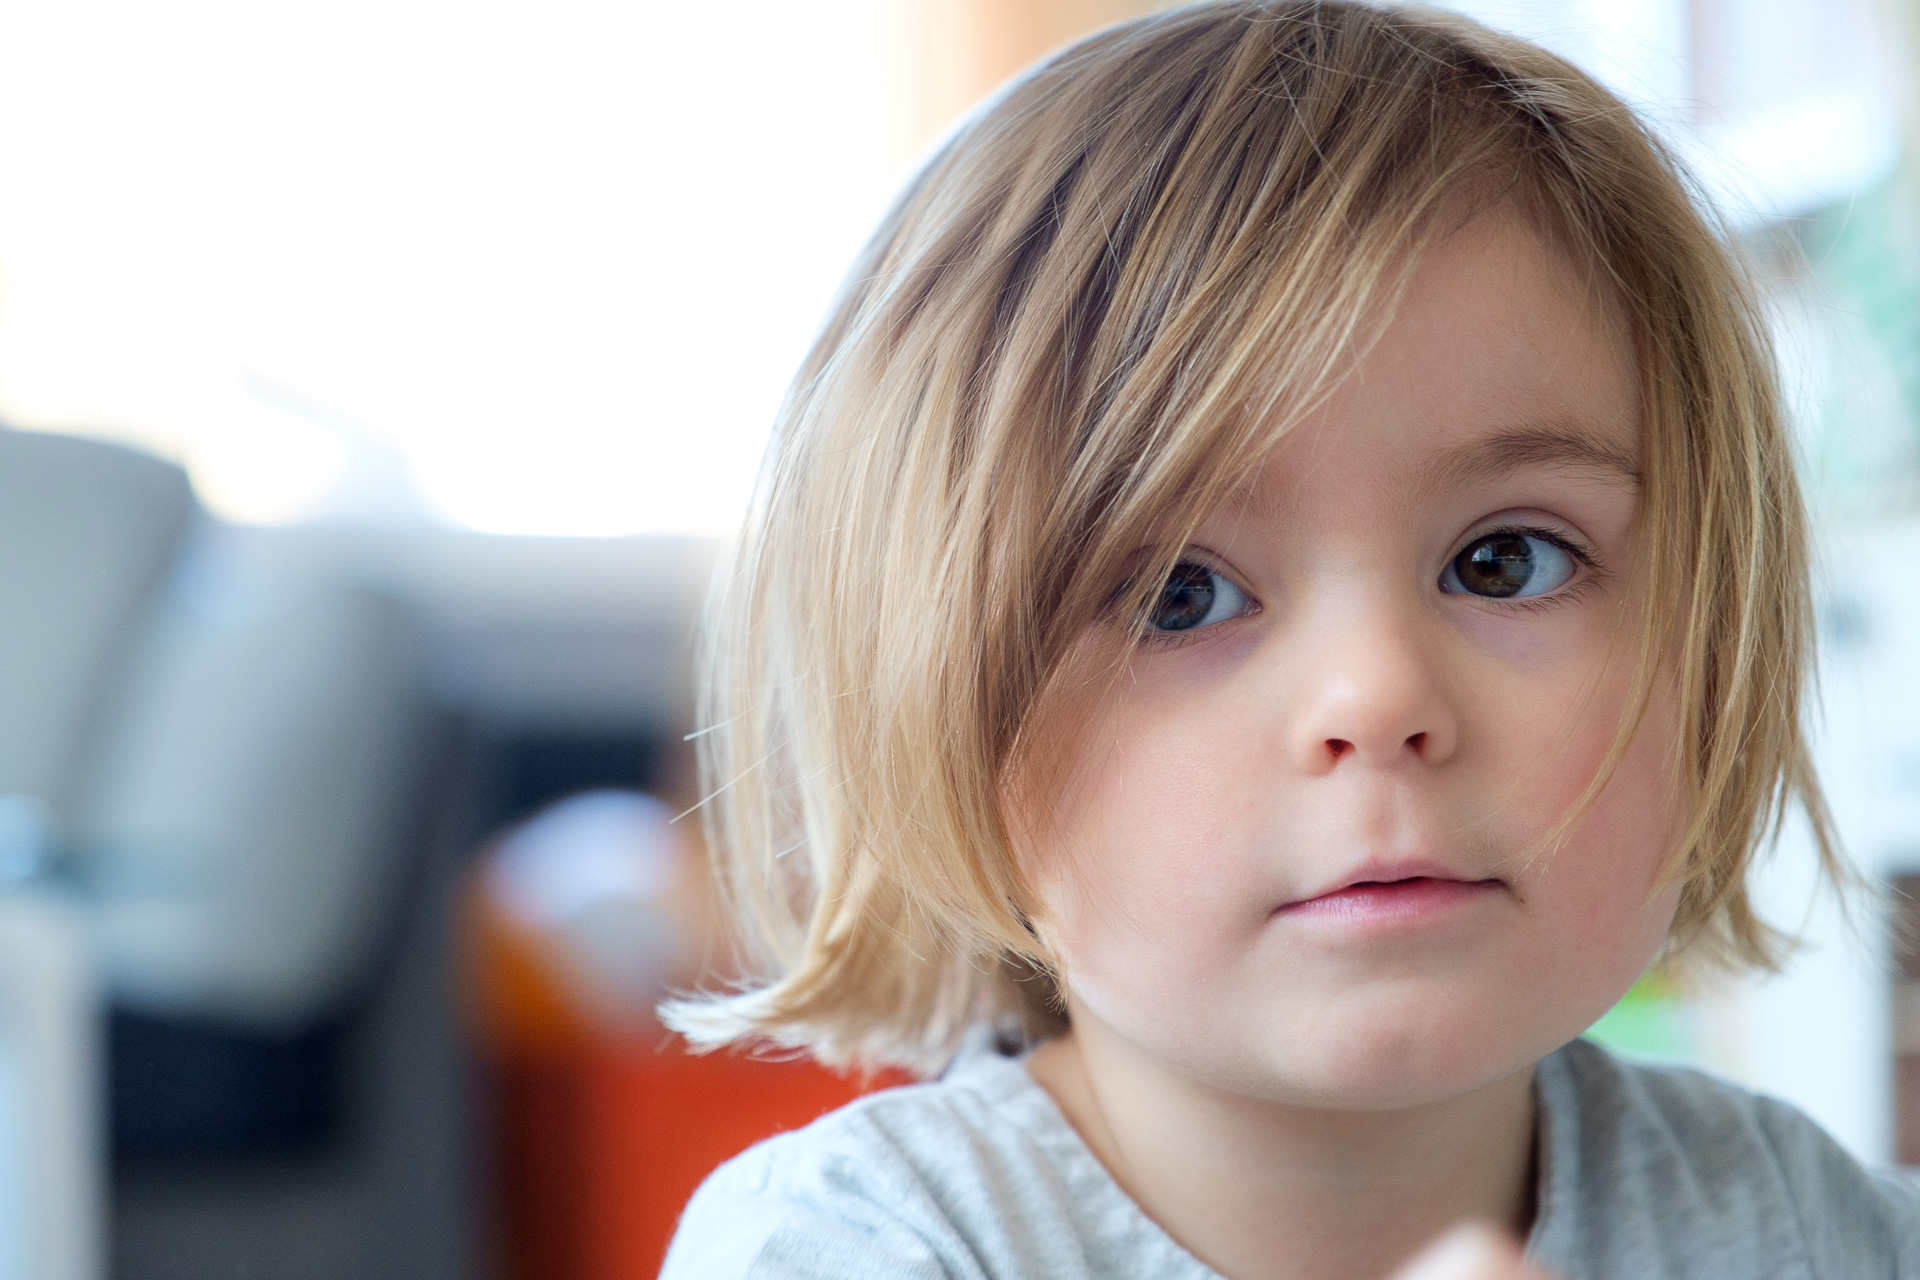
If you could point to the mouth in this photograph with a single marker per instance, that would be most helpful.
(1383, 897)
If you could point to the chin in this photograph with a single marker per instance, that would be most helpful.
(1381, 1063)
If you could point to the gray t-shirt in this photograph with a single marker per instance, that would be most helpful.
(1646, 1173)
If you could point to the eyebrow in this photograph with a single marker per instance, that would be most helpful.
(1549, 445)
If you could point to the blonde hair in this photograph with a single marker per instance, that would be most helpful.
(1101, 301)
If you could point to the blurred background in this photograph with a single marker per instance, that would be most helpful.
(377, 381)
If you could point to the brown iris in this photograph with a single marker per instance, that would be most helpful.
(1498, 565)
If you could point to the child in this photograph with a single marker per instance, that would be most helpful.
(1278, 593)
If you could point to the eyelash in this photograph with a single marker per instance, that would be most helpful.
(1163, 641)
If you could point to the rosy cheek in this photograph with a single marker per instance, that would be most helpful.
(1138, 863)
(1599, 892)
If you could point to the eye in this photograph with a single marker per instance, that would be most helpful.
(1195, 596)
(1509, 565)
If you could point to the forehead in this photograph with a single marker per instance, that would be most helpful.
(1504, 353)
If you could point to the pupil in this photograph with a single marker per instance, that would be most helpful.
(1185, 599)
(1499, 565)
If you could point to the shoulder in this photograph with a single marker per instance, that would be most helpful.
(1674, 1173)
(975, 1175)
(824, 1200)
(849, 1190)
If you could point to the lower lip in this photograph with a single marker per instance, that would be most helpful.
(1416, 901)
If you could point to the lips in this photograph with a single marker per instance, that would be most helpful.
(1384, 894)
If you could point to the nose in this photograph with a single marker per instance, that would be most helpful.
(1371, 698)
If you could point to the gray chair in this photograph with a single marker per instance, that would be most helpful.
(220, 745)
(240, 822)
(88, 532)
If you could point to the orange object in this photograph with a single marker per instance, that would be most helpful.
(599, 1137)
(659, 1123)
(597, 1154)
(515, 1005)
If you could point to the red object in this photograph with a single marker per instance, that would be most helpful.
(599, 1140)
(599, 1153)
(659, 1123)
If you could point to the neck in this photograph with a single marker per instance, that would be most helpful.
(1260, 1190)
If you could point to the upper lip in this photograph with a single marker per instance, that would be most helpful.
(1390, 871)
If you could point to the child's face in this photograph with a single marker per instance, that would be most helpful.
(1290, 857)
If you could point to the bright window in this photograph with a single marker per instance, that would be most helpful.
(536, 268)
(546, 268)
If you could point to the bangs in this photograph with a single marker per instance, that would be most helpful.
(1165, 313)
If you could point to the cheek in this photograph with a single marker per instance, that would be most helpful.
(1140, 844)
(1598, 896)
